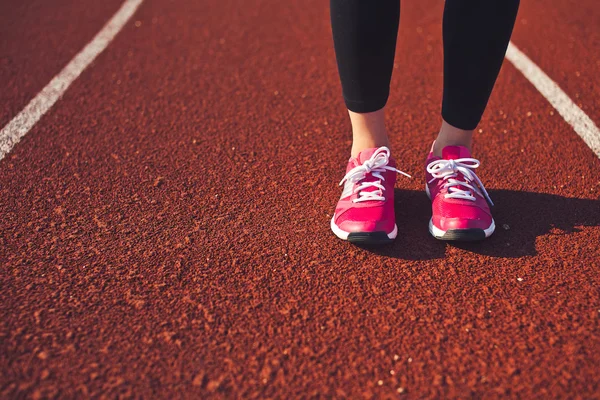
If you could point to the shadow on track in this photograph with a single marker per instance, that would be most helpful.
(520, 218)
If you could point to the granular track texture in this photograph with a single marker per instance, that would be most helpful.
(164, 229)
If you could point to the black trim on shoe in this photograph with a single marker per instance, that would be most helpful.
(369, 238)
(463, 235)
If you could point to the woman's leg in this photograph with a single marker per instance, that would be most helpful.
(476, 35)
(364, 36)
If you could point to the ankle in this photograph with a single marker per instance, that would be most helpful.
(452, 136)
(364, 142)
(368, 131)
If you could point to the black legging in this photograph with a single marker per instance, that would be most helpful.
(476, 34)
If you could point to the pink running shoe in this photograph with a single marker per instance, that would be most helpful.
(460, 209)
(365, 211)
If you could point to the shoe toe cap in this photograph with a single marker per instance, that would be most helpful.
(366, 226)
(447, 224)
(373, 220)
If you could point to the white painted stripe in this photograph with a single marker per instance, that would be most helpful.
(31, 114)
(581, 123)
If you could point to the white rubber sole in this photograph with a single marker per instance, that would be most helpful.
(439, 234)
(344, 235)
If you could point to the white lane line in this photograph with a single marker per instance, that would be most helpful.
(31, 114)
(581, 123)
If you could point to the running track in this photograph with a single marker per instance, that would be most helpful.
(164, 228)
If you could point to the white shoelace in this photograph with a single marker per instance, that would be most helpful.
(458, 189)
(376, 165)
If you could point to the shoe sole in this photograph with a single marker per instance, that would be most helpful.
(364, 238)
(459, 235)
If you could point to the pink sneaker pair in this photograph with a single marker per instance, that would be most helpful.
(365, 211)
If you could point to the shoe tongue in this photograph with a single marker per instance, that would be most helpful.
(454, 152)
(365, 155)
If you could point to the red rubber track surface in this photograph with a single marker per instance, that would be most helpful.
(38, 39)
(563, 38)
(165, 227)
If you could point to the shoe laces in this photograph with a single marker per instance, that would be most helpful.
(449, 170)
(376, 166)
